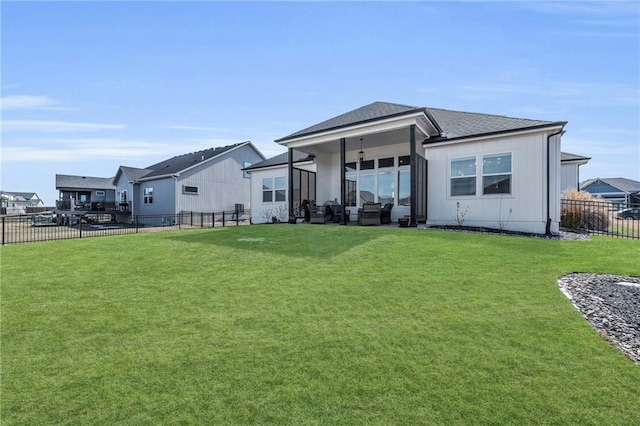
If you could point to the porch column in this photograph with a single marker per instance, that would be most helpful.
(413, 161)
(292, 216)
(343, 177)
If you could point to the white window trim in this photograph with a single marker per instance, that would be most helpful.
(480, 176)
(450, 178)
(481, 183)
(184, 190)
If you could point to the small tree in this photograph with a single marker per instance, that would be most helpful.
(460, 214)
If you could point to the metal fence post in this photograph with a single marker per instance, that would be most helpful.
(191, 217)
(201, 219)
(135, 221)
(3, 230)
(213, 219)
(223, 218)
(237, 215)
(80, 225)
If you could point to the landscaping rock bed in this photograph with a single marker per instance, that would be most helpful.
(611, 304)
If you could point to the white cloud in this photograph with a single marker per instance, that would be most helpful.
(56, 126)
(27, 102)
(124, 151)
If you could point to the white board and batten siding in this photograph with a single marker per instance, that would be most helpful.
(260, 210)
(524, 209)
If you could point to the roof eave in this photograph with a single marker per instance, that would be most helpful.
(559, 125)
(295, 136)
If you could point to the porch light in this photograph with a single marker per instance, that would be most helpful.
(361, 153)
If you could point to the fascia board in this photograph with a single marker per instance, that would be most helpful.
(281, 166)
(493, 136)
(378, 126)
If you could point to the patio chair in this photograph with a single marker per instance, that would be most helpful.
(369, 214)
(318, 214)
(385, 213)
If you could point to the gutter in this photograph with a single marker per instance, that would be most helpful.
(548, 225)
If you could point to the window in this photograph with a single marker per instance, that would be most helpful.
(246, 175)
(274, 191)
(404, 188)
(190, 189)
(350, 167)
(99, 193)
(267, 190)
(386, 188)
(463, 176)
(496, 174)
(367, 188)
(385, 162)
(404, 160)
(367, 165)
(281, 189)
(148, 195)
(350, 187)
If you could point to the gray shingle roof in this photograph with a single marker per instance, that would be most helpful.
(566, 156)
(453, 124)
(363, 114)
(25, 195)
(134, 173)
(459, 124)
(83, 182)
(182, 162)
(627, 185)
(281, 159)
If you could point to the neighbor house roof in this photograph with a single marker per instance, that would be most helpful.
(180, 163)
(626, 185)
(451, 124)
(25, 195)
(566, 156)
(83, 182)
(131, 173)
(279, 160)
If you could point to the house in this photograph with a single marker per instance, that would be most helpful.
(84, 193)
(211, 180)
(570, 170)
(437, 166)
(616, 190)
(16, 203)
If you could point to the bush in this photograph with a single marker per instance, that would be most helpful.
(581, 210)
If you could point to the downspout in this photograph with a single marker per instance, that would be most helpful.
(548, 226)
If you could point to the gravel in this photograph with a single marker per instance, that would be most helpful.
(611, 304)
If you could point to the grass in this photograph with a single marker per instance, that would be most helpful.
(274, 324)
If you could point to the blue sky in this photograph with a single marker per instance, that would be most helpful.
(89, 86)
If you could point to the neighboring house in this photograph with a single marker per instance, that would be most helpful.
(616, 190)
(205, 181)
(570, 170)
(437, 166)
(84, 193)
(16, 203)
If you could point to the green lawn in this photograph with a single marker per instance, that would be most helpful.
(273, 324)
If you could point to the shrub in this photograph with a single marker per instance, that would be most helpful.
(580, 209)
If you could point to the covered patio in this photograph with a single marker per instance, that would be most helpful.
(373, 154)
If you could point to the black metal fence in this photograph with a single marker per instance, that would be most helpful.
(601, 218)
(48, 227)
